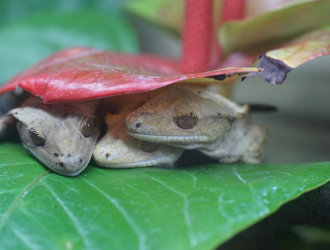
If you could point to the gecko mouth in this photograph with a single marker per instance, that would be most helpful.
(63, 171)
(173, 140)
(156, 162)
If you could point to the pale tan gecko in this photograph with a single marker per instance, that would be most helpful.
(62, 136)
(190, 117)
(117, 149)
(181, 116)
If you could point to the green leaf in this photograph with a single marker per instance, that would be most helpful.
(26, 42)
(189, 207)
(273, 27)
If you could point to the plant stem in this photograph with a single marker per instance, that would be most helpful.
(230, 10)
(197, 36)
(200, 47)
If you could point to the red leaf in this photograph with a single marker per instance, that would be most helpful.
(79, 74)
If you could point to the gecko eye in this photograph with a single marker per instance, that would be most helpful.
(187, 121)
(37, 139)
(149, 147)
(86, 126)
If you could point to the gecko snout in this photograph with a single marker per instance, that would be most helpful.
(132, 124)
(69, 164)
(134, 127)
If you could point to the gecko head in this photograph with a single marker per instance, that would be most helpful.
(186, 116)
(61, 136)
(117, 149)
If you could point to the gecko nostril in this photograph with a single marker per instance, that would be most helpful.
(138, 124)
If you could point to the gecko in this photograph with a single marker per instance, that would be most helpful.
(159, 126)
(117, 149)
(191, 117)
(62, 135)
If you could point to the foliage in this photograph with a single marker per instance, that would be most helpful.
(56, 78)
(196, 206)
(258, 33)
(193, 206)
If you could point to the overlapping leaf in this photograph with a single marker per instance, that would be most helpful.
(170, 13)
(79, 74)
(257, 7)
(273, 27)
(195, 207)
(258, 14)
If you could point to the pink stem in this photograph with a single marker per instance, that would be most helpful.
(197, 36)
(231, 10)
(200, 47)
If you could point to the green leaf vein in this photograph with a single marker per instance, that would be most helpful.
(16, 201)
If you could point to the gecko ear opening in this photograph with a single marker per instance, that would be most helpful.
(234, 111)
(230, 109)
(242, 110)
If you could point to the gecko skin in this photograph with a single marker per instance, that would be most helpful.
(62, 135)
(117, 149)
(190, 117)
